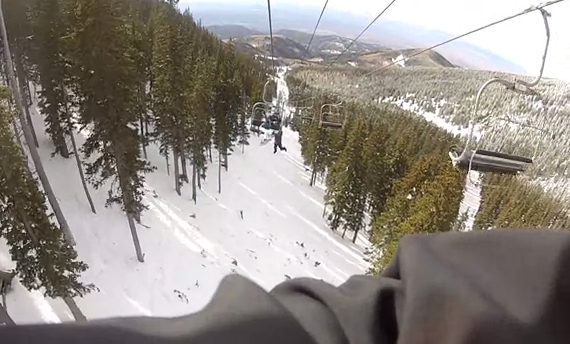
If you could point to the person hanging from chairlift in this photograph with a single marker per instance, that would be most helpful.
(278, 144)
(275, 121)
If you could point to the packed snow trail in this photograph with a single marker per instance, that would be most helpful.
(266, 225)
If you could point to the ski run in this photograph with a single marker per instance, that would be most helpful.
(266, 224)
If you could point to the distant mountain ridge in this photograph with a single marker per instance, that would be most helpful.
(291, 46)
(385, 33)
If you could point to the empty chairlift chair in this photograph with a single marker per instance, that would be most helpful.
(488, 161)
(269, 90)
(330, 117)
(493, 161)
(306, 115)
(257, 116)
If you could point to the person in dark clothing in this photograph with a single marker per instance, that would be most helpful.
(277, 144)
(494, 287)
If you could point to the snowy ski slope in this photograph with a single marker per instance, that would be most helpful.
(266, 225)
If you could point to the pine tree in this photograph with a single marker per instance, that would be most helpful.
(107, 83)
(19, 31)
(48, 28)
(379, 178)
(170, 73)
(200, 125)
(348, 194)
(49, 57)
(44, 260)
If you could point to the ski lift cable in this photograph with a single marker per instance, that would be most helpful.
(316, 27)
(362, 32)
(539, 7)
(271, 35)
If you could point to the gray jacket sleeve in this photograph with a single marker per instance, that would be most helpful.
(497, 287)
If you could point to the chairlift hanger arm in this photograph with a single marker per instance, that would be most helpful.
(545, 15)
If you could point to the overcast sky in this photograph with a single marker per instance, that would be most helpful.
(520, 40)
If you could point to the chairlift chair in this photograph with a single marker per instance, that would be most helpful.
(306, 115)
(266, 96)
(330, 117)
(492, 160)
(257, 116)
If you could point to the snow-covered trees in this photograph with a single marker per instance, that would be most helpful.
(410, 186)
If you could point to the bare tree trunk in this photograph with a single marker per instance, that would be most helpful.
(21, 81)
(77, 314)
(80, 167)
(176, 171)
(28, 134)
(210, 152)
(344, 232)
(325, 210)
(166, 157)
(313, 172)
(225, 160)
(143, 137)
(146, 127)
(184, 165)
(28, 92)
(76, 153)
(313, 177)
(220, 173)
(18, 138)
(127, 194)
(194, 173)
(355, 235)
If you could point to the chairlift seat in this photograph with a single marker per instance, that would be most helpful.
(489, 161)
(256, 122)
(331, 125)
(509, 157)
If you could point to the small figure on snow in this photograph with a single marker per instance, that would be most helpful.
(278, 136)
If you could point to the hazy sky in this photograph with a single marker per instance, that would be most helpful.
(521, 40)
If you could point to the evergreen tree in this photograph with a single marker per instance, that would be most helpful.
(48, 56)
(107, 83)
(348, 194)
(43, 258)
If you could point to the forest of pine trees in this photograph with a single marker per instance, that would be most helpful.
(393, 166)
(130, 72)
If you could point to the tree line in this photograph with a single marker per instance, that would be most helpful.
(391, 166)
(385, 165)
(127, 73)
(450, 94)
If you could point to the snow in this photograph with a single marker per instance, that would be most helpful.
(400, 60)
(266, 225)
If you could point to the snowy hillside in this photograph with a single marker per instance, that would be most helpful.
(266, 225)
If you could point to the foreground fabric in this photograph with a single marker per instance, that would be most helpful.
(456, 288)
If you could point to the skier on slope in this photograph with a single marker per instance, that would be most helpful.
(278, 136)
